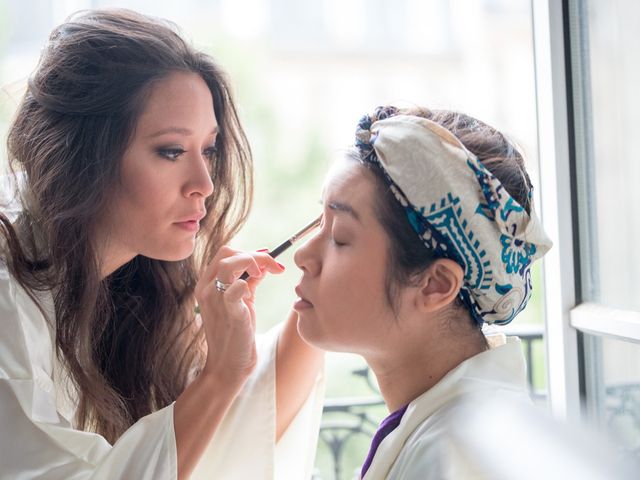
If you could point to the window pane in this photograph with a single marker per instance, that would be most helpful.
(613, 46)
(614, 391)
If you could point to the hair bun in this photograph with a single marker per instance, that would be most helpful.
(364, 140)
(363, 135)
(380, 113)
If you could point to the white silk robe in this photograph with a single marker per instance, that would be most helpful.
(38, 438)
(423, 446)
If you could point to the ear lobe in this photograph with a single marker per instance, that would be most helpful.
(440, 285)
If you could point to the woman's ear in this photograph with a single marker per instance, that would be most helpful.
(440, 285)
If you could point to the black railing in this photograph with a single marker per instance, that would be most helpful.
(337, 433)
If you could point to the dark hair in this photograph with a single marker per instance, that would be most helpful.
(408, 256)
(129, 341)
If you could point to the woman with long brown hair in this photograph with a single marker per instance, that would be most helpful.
(129, 157)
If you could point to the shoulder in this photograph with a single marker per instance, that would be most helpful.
(26, 339)
(15, 299)
(432, 452)
(423, 455)
(8, 302)
(10, 185)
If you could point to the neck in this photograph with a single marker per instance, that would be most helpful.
(405, 373)
(108, 267)
(111, 258)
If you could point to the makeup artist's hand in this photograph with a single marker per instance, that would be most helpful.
(228, 316)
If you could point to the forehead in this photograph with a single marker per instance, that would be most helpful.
(350, 182)
(181, 98)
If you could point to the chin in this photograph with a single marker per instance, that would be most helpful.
(174, 254)
(308, 331)
(178, 258)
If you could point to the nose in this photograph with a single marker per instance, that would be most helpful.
(307, 258)
(198, 178)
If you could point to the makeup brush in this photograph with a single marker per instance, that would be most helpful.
(290, 241)
(282, 247)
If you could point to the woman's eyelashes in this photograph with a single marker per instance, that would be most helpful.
(170, 153)
(173, 153)
(210, 152)
(327, 229)
(337, 242)
(338, 239)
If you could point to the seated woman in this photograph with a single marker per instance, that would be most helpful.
(428, 233)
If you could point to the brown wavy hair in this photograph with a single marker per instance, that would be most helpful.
(129, 341)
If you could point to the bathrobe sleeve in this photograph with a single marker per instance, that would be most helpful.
(38, 439)
(244, 445)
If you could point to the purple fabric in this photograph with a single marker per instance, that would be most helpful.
(387, 426)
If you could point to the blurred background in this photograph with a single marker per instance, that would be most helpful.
(304, 72)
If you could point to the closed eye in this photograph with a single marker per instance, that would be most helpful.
(338, 239)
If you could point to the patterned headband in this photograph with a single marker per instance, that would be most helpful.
(459, 209)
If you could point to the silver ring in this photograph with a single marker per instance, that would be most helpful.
(222, 287)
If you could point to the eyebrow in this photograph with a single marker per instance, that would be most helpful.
(180, 130)
(345, 208)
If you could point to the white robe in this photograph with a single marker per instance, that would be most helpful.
(38, 440)
(423, 446)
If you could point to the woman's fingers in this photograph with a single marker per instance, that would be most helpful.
(229, 329)
(234, 297)
(231, 268)
(209, 273)
(227, 306)
(229, 264)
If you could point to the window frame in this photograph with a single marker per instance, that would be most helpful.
(557, 214)
(573, 327)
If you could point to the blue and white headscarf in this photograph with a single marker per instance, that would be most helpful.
(460, 210)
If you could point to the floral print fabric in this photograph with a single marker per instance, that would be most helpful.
(459, 209)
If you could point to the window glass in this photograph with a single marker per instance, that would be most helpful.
(613, 44)
(614, 391)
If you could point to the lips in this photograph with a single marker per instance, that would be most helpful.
(302, 303)
(194, 217)
(300, 295)
(191, 223)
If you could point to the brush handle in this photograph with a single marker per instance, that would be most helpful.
(274, 253)
(287, 243)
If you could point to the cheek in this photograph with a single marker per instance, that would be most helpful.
(356, 292)
(144, 181)
(144, 199)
